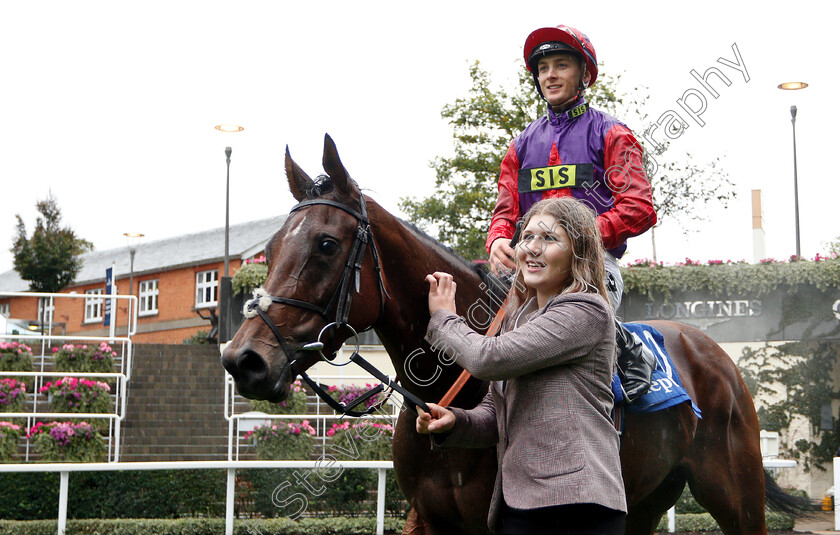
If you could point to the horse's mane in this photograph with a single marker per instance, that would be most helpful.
(496, 286)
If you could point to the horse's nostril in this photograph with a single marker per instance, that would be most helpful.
(251, 365)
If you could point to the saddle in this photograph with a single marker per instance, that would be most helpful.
(635, 363)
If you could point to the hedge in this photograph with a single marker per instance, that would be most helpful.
(203, 526)
(705, 522)
(352, 494)
(284, 526)
(129, 494)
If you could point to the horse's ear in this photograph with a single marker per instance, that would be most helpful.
(299, 182)
(335, 169)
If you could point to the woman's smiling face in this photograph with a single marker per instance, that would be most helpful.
(545, 254)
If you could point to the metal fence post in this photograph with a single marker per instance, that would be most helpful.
(380, 502)
(231, 492)
(62, 502)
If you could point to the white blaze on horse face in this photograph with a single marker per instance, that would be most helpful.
(296, 228)
(545, 254)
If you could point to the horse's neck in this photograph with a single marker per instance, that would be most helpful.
(406, 260)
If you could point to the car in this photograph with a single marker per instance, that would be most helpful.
(19, 326)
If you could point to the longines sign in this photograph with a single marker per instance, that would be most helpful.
(781, 315)
(745, 308)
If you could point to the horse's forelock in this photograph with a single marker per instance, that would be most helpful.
(320, 186)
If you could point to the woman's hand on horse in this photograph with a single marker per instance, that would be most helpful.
(441, 292)
(501, 254)
(440, 420)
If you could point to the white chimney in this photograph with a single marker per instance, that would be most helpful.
(758, 227)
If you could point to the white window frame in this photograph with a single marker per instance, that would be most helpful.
(94, 306)
(5, 310)
(148, 293)
(46, 307)
(207, 288)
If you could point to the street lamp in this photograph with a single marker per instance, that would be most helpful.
(132, 238)
(794, 86)
(225, 287)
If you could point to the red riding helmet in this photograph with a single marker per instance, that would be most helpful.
(560, 39)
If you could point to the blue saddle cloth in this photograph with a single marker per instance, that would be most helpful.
(666, 389)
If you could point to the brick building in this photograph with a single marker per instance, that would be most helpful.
(175, 279)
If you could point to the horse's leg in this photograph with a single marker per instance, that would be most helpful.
(730, 484)
(643, 517)
(723, 466)
(449, 489)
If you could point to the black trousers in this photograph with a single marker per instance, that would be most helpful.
(575, 519)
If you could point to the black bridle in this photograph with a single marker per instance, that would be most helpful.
(341, 300)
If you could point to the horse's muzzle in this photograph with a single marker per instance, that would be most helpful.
(253, 373)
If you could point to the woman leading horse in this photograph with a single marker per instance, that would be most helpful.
(450, 489)
(550, 400)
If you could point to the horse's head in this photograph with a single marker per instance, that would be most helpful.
(322, 271)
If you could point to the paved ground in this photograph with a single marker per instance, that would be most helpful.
(820, 522)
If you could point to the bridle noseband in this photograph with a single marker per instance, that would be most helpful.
(342, 299)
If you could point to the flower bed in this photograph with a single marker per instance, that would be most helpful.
(728, 277)
(283, 440)
(84, 358)
(67, 442)
(251, 275)
(294, 404)
(70, 394)
(12, 396)
(348, 393)
(9, 436)
(372, 439)
(15, 357)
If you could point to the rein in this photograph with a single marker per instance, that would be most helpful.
(341, 300)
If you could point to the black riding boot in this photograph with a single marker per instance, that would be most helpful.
(635, 363)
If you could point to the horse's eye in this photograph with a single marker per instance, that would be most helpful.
(328, 247)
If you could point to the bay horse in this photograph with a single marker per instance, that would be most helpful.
(338, 243)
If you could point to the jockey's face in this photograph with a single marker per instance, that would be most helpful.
(545, 254)
(559, 77)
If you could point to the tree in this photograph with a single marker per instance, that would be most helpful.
(795, 380)
(486, 121)
(49, 260)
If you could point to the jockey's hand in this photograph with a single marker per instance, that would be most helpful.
(501, 253)
(441, 420)
(441, 292)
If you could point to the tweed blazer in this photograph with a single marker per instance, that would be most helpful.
(548, 408)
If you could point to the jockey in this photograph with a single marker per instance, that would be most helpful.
(574, 150)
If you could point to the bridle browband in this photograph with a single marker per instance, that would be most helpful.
(341, 300)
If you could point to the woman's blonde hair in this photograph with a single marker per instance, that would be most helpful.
(587, 270)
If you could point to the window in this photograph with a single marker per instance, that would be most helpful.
(4, 310)
(93, 306)
(45, 310)
(206, 288)
(148, 297)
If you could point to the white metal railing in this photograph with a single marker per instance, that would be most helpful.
(239, 423)
(46, 339)
(64, 470)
